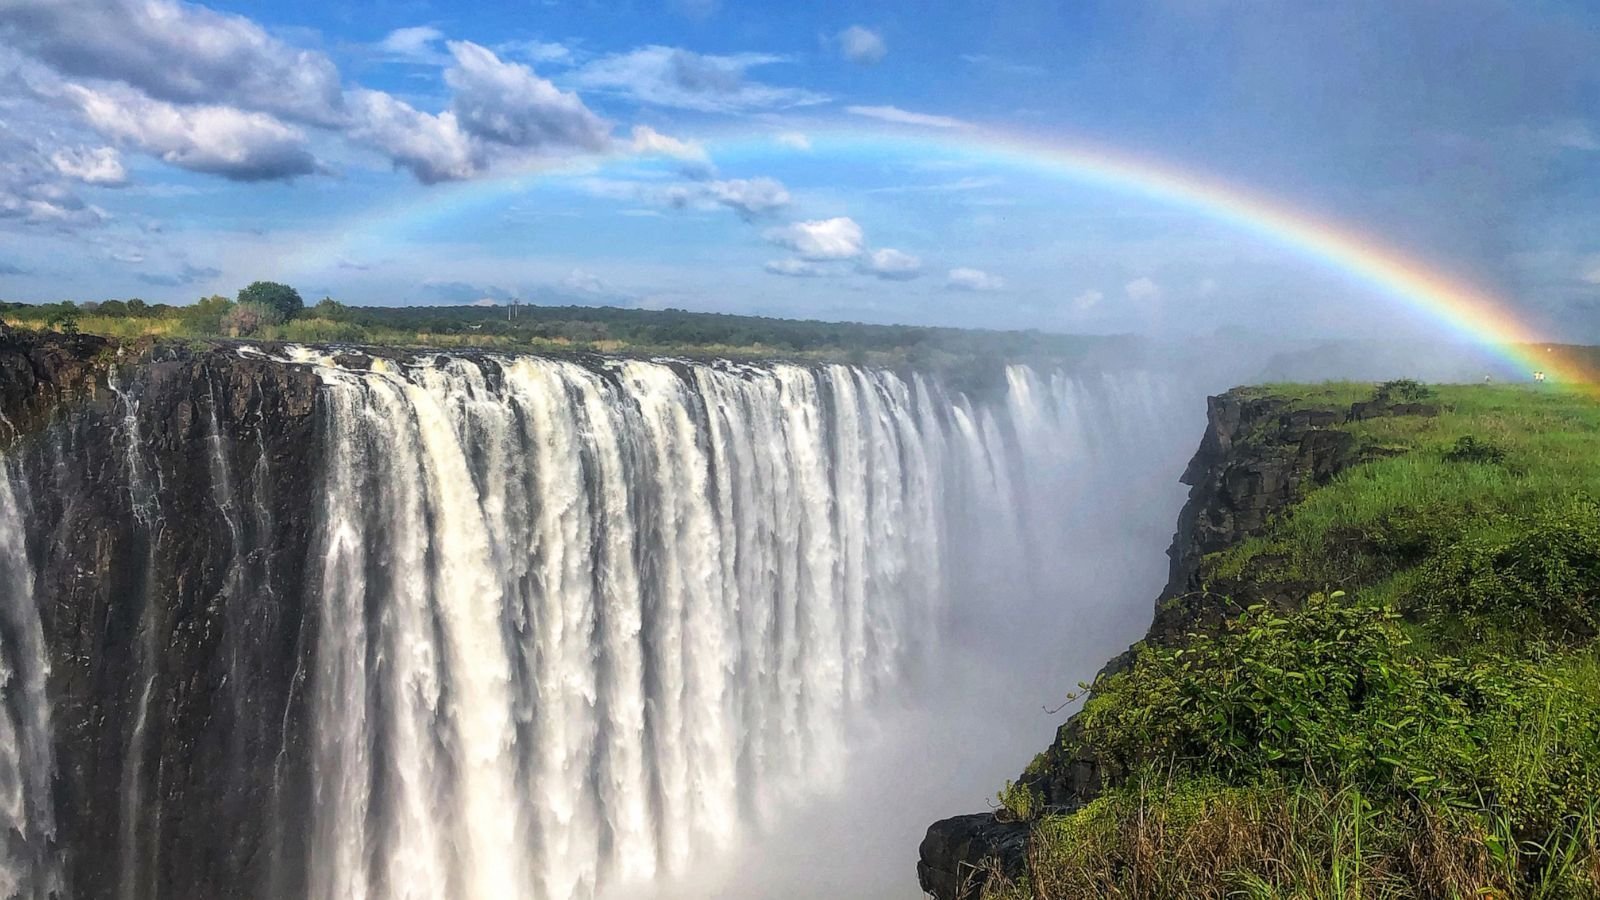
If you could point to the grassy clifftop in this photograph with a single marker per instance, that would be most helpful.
(1396, 692)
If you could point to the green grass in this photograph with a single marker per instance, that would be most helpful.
(1425, 724)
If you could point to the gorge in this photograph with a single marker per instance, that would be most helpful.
(283, 621)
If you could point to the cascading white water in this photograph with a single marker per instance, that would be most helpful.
(28, 867)
(579, 624)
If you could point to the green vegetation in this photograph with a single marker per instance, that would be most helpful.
(270, 312)
(1424, 723)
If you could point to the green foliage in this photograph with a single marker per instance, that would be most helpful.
(329, 308)
(1019, 802)
(1430, 730)
(1469, 449)
(206, 315)
(1402, 390)
(1534, 578)
(283, 299)
(64, 319)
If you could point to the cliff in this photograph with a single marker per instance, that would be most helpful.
(174, 663)
(1258, 456)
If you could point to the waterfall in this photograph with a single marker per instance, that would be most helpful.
(582, 622)
(28, 869)
(479, 626)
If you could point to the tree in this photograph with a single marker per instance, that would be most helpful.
(286, 300)
(138, 308)
(329, 308)
(64, 318)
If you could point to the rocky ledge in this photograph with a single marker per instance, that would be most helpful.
(1259, 455)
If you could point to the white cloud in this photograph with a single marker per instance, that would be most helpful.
(1142, 290)
(796, 268)
(219, 140)
(506, 103)
(1087, 300)
(178, 52)
(905, 117)
(432, 147)
(91, 165)
(418, 44)
(34, 190)
(1591, 272)
(862, 46)
(537, 52)
(965, 279)
(750, 197)
(794, 140)
(647, 141)
(892, 264)
(823, 239)
(1207, 287)
(672, 77)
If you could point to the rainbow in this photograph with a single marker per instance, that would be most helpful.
(1464, 311)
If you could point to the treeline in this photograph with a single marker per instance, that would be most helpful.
(269, 311)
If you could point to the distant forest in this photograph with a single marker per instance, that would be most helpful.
(269, 312)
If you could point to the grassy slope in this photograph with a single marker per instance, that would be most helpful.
(1428, 724)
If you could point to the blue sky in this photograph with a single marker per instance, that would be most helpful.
(817, 159)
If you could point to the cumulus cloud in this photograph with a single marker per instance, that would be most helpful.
(1142, 290)
(1087, 300)
(432, 147)
(217, 140)
(820, 240)
(647, 141)
(177, 52)
(585, 282)
(796, 268)
(966, 279)
(505, 103)
(892, 264)
(862, 46)
(673, 77)
(904, 117)
(499, 110)
(91, 165)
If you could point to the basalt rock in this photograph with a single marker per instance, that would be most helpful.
(1258, 456)
(176, 659)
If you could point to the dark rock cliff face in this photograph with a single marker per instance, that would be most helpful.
(1258, 457)
(173, 620)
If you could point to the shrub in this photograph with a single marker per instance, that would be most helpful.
(206, 315)
(1542, 582)
(1469, 449)
(1018, 802)
(1402, 390)
(248, 319)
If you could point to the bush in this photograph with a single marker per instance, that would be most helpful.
(1542, 582)
(1402, 390)
(247, 319)
(206, 315)
(1469, 449)
(280, 297)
